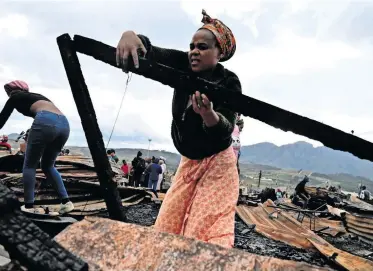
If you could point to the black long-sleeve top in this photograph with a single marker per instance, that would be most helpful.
(191, 137)
(22, 102)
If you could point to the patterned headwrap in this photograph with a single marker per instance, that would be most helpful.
(16, 85)
(223, 35)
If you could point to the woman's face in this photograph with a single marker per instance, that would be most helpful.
(204, 54)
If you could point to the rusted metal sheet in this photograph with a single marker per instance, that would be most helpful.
(84, 161)
(274, 226)
(361, 225)
(334, 227)
(109, 245)
(282, 226)
(331, 227)
(313, 191)
(345, 259)
(359, 204)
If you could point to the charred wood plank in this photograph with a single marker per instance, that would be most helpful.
(27, 243)
(90, 126)
(264, 112)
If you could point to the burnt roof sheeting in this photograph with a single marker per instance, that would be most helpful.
(111, 245)
(282, 226)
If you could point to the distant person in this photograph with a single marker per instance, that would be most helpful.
(364, 194)
(154, 170)
(4, 143)
(236, 143)
(145, 176)
(138, 164)
(236, 138)
(110, 155)
(22, 146)
(125, 168)
(300, 191)
(240, 123)
(279, 194)
(161, 176)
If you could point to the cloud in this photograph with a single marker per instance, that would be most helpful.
(14, 25)
(291, 54)
(310, 57)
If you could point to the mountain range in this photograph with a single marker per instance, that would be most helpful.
(302, 155)
(299, 155)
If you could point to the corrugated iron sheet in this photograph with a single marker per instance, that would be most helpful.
(282, 226)
(274, 227)
(361, 225)
(83, 161)
(334, 227)
(111, 245)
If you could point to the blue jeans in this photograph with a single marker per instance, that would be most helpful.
(48, 134)
(153, 186)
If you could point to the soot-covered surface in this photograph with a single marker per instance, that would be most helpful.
(145, 214)
(352, 245)
(255, 243)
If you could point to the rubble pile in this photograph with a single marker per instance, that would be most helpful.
(282, 226)
(80, 180)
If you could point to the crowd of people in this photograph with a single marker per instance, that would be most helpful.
(142, 172)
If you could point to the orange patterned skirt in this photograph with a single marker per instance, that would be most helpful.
(202, 199)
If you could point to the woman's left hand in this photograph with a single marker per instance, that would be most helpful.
(201, 104)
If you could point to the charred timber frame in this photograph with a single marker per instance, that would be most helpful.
(90, 126)
(264, 112)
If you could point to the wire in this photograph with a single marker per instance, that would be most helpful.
(120, 107)
(129, 76)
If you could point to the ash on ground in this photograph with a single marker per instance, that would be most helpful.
(145, 214)
(351, 244)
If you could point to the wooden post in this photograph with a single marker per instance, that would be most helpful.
(90, 126)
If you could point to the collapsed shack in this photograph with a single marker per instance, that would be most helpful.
(280, 225)
(355, 214)
(335, 224)
(80, 179)
(102, 244)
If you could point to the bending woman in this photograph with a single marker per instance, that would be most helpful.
(202, 199)
(48, 134)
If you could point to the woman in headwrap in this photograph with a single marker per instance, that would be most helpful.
(48, 134)
(201, 201)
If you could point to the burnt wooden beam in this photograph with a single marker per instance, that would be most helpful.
(267, 113)
(90, 126)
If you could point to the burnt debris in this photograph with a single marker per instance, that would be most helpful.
(267, 113)
(90, 126)
(28, 244)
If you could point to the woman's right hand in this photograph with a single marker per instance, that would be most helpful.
(128, 44)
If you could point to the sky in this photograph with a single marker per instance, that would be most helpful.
(313, 58)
